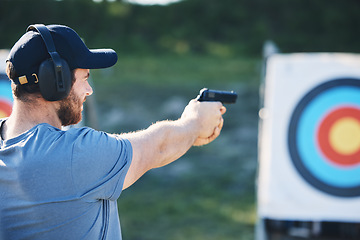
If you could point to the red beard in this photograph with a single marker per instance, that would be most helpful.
(69, 112)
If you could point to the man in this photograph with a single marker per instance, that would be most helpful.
(57, 184)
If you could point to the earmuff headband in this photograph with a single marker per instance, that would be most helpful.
(49, 43)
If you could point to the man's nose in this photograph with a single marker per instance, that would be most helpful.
(89, 89)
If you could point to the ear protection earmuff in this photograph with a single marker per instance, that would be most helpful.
(54, 73)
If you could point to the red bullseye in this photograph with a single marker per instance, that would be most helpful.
(338, 136)
(5, 108)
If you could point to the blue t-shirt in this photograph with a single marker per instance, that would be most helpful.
(58, 184)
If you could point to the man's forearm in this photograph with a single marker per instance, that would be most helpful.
(166, 141)
(159, 145)
(173, 139)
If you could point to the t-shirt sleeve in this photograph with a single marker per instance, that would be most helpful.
(99, 164)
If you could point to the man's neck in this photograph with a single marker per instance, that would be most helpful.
(24, 117)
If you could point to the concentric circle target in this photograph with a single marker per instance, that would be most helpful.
(324, 137)
(6, 99)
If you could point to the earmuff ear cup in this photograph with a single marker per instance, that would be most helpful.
(48, 81)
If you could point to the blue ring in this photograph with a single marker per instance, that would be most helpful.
(5, 90)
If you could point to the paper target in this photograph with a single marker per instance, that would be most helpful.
(324, 137)
(6, 100)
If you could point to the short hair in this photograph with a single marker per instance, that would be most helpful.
(26, 92)
(21, 92)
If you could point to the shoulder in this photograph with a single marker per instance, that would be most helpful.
(88, 137)
(84, 140)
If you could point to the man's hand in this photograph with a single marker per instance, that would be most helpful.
(208, 119)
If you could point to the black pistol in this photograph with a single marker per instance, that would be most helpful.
(208, 95)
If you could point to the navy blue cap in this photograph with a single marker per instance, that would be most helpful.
(30, 51)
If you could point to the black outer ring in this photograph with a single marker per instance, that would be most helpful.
(292, 142)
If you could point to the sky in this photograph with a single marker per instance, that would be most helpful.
(151, 2)
(147, 2)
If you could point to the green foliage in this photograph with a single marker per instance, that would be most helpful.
(220, 28)
(209, 194)
(136, 80)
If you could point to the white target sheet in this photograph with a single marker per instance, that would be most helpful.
(309, 139)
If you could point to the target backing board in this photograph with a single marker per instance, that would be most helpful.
(309, 141)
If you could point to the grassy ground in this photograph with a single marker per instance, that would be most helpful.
(210, 192)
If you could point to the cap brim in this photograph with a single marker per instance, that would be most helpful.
(98, 58)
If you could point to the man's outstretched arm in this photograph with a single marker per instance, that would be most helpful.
(166, 141)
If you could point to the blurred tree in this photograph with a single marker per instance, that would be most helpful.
(223, 28)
